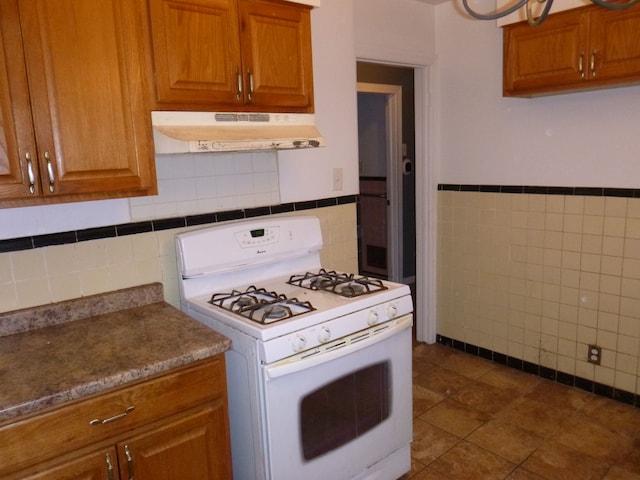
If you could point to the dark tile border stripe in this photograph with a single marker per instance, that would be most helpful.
(544, 372)
(542, 190)
(28, 243)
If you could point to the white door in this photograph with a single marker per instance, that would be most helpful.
(381, 190)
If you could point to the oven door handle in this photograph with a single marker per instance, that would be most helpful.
(351, 344)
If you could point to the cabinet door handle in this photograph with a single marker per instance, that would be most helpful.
(31, 174)
(52, 178)
(97, 421)
(250, 94)
(109, 467)
(592, 64)
(581, 64)
(239, 91)
(127, 452)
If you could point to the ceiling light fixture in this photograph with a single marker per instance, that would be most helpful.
(611, 5)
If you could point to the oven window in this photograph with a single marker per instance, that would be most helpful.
(344, 409)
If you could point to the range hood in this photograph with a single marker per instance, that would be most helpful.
(177, 132)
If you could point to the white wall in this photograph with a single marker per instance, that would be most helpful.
(578, 139)
(394, 31)
(307, 175)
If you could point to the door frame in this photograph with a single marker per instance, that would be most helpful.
(426, 90)
(393, 121)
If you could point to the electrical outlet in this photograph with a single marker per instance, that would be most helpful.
(594, 354)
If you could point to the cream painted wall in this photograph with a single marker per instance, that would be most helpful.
(578, 139)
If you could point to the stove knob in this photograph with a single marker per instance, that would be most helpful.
(324, 335)
(299, 342)
(373, 318)
(392, 311)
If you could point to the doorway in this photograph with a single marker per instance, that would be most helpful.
(386, 209)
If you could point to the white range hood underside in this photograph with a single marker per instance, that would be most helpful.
(180, 132)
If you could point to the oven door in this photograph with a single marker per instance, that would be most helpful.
(342, 414)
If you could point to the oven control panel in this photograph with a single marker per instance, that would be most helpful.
(312, 339)
(258, 237)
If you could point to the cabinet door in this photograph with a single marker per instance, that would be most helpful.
(615, 45)
(100, 465)
(196, 47)
(549, 57)
(192, 447)
(276, 55)
(17, 141)
(89, 87)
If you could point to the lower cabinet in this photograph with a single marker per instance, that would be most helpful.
(98, 465)
(191, 442)
(185, 448)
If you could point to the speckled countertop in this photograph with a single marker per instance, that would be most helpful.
(61, 352)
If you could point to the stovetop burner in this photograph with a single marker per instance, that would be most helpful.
(260, 305)
(346, 285)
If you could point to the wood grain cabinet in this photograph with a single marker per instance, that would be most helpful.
(172, 427)
(75, 87)
(232, 55)
(580, 49)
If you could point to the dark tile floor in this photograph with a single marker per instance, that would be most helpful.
(477, 420)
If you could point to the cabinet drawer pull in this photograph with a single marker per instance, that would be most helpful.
(127, 452)
(32, 176)
(50, 171)
(97, 421)
(239, 79)
(250, 94)
(581, 64)
(109, 467)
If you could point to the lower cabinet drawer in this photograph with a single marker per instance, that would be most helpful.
(85, 422)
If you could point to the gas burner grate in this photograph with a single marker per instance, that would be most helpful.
(343, 284)
(260, 305)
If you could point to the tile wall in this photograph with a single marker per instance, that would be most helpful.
(210, 182)
(540, 276)
(37, 276)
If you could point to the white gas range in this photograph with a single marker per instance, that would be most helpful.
(302, 336)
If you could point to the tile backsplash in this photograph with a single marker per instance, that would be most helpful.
(210, 182)
(539, 277)
(53, 273)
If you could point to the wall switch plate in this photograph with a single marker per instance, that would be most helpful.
(337, 179)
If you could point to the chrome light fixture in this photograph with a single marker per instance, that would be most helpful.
(531, 19)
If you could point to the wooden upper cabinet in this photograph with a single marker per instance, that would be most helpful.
(232, 55)
(17, 139)
(276, 54)
(78, 105)
(580, 49)
(540, 59)
(615, 45)
(196, 51)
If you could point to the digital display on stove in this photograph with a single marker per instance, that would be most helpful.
(259, 232)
